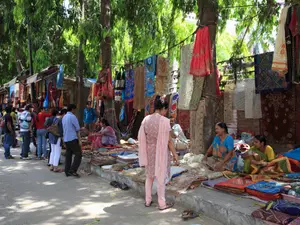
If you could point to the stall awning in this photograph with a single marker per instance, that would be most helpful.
(32, 79)
(10, 83)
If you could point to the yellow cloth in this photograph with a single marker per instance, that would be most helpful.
(270, 154)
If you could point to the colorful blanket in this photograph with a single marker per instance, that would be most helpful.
(235, 185)
(287, 207)
(129, 85)
(272, 216)
(150, 64)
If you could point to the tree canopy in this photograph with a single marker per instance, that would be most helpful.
(139, 28)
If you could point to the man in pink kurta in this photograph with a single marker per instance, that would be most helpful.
(154, 154)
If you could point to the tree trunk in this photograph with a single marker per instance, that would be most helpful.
(208, 15)
(106, 41)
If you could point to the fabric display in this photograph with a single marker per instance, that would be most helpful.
(162, 67)
(235, 185)
(280, 55)
(196, 128)
(173, 105)
(266, 79)
(198, 85)
(252, 101)
(186, 80)
(239, 95)
(294, 154)
(105, 83)
(212, 183)
(149, 107)
(150, 65)
(139, 88)
(60, 77)
(129, 86)
(118, 95)
(287, 207)
(173, 81)
(278, 113)
(264, 190)
(119, 83)
(295, 221)
(228, 102)
(272, 216)
(183, 118)
(202, 60)
(161, 85)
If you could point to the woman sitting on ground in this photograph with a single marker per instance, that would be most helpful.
(106, 136)
(221, 150)
(262, 159)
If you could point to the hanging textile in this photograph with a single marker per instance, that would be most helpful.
(294, 27)
(267, 80)
(297, 89)
(183, 119)
(105, 81)
(119, 83)
(149, 104)
(239, 95)
(60, 77)
(129, 86)
(46, 101)
(162, 67)
(173, 81)
(139, 88)
(118, 95)
(252, 101)
(161, 85)
(278, 116)
(280, 55)
(173, 105)
(150, 64)
(228, 102)
(198, 85)
(218, 78)
(196, 128)
(21, 89)
(186, 80)
(202, 60)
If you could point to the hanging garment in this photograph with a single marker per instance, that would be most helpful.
(105, 83)
(186, 80)
(161, 85)
(183, 119)
(120, 80)
(267, 80)
(118, 95)
(173, 81)
(162, 67)
(60, 77)
(173, 105)
(198, 85)
(252, 101)
(289, 39)
(280, 54)
(139, 88)
(196, 128)
(228, 102)
(149, 107)
(129, 85)
(202, 60)
(239, 95)
(150, 64)
(278, 116)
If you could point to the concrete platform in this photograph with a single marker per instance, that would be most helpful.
(226, 208)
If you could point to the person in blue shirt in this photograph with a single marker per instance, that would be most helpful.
(89, 117)
(221, 150)
(72, 139)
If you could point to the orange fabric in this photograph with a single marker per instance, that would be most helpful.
(237, 184)
(263, 196)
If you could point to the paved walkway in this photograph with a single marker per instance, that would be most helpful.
(30, 194)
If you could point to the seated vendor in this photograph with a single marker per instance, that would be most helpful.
(108, 135)
(261, 159)
(180, 140)
(221, 150)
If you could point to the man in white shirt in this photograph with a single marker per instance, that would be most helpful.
(25, 122)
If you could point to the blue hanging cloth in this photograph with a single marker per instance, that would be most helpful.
(60, 77)
(46, 102)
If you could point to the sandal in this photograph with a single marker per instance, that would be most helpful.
(168, 206)
(188, 214)
(51, 168)
(58, 170)
(148, 205)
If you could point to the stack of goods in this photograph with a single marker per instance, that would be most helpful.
(97, 160)
(235, 185)
(128, 159)
(265, 190)
(292, 194)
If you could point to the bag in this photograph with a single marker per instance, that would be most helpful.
(25, 120)
(2, 123)
(54, 129)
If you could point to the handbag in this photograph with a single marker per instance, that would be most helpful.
(54, 129)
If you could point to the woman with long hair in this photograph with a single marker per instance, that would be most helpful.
(155, 145)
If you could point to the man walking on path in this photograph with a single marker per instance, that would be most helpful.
(71, 130)
(9, 133)
(25, 129)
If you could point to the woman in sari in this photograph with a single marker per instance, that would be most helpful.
(155, 145)
(262, 159)
(221, 150)
(108, 135)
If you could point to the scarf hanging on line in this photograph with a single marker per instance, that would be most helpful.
(139, 88)
(150, 64)
(280, 54)
(202, 60)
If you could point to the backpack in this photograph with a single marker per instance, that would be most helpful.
(24, 122)
(54, 128)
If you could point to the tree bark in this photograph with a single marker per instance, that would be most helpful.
(208, 15)
(106, 41)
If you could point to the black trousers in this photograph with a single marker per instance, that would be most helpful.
(73, 148)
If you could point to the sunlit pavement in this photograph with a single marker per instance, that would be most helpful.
(31, 194)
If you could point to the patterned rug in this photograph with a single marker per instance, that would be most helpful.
(267, 80)
(183, 119)
(278, 116)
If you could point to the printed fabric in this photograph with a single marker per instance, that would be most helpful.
(266, 187)
(129, 86)
(280, 53)
(202, 60)
(186, 80)
(278, 116)
(162, 67)
(266, 79)
(272, 216)
(139, 88)
(150, 64)
(173, 105)
(252, 101)
(287, 207)
(60, 77)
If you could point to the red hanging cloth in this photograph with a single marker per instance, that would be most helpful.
(202, 61)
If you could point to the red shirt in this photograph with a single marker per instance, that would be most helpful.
(40, 120)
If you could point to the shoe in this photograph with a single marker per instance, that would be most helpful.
(75, 175)
(10, 157)
(25, 158)
(68, 174)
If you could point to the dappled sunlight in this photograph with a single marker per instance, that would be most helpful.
(49, 183)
